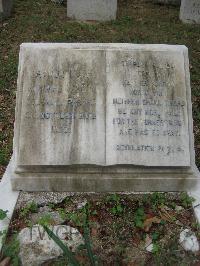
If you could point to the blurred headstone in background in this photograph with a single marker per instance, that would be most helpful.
(190, 11)
(5, 8)
(101, 10)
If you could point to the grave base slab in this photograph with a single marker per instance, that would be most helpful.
(138, 179)
(102, 184)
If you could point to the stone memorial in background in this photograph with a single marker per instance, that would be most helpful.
(168, 2)
(102, 10)
(103, 117)
(5, 8)
(190, 11)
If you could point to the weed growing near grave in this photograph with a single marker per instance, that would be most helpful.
(150, 220)
(139, 217)
(84, 222)
(45, 220)
(3, 214)
(186, 200)
(29, 208)
(116, 205)
(10, 249)
(158, 199)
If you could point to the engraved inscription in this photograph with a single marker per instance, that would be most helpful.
(147, 113)
(100, 107)
(195, 9)
(49, 100)
(147, 119)
(62, 108)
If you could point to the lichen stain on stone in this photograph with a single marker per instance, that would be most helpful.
(82, 89)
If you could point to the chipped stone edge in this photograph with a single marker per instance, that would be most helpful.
(8, 199)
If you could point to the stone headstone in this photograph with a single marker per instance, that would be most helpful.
(1, 7)
(168, 2)
(102, 10)
(190, 11)
(5, 8)
(103, 117)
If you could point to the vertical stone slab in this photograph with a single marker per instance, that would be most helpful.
(147, 120)
(190, 11)
(5, 8)
(60, 113)
(101, 10)
(1, 7)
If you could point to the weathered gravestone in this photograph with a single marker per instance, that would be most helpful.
(103, 117)
(190, 11)
(101, 10)
(5, 8)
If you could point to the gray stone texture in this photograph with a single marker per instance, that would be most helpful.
(63, 109)
(36, 247)
(101, 10)
(190, 11)
(41, 198)
(54, 216)
(189, 241)
(168, 2)
(5, 8)
(146, 100)
(103, 117)
(8, 199)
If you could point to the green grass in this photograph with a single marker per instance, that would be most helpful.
(44, 21)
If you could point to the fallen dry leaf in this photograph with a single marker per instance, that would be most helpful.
(5, 262)
(81, 259)
(168, 214)
(94, 231)
(149, 222)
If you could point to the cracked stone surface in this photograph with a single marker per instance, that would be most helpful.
(36, 247)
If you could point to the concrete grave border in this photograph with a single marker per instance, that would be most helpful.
(8, 199)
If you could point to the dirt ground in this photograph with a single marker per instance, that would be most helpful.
(121, 227)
